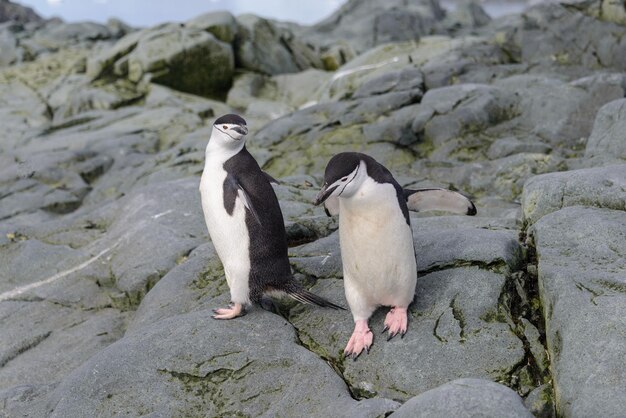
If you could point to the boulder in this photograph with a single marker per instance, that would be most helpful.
(365, 24)
(565, 35)
(454, 323)
(602, 187)
(606, 143)
(193, 365)
(581, 255)
(465, 398)
(222, 25)
(10, 11)
(264, 47)
(187, 59)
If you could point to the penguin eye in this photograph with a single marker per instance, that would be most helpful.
(225, 127)
(344, 179)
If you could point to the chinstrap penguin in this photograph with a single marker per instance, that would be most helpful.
(379, 267)
(245, 222)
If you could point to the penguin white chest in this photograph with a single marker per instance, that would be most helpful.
(229, 233)
(377, 246)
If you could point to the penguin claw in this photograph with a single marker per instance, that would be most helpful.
(385, 329)
(396, 322)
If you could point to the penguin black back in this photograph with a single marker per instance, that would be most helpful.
(269, 262)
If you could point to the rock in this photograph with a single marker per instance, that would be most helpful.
(189, 60)
(268, 49)
(613, 11)
(55, 35)
(221, 24)
(465, 398)
(365, 24)
(463, 109)
(169, 367)
(559, 113)
(600, 187)
(451, 331)
(466, 14)
(581, 255)
(118, 28)
(9, 53)
(10, 11)
(337, 55)
(25, 400)
(540, 402)
(535, 38)
(505, 147)
(186, 59)
(605, 144)
(44, 342)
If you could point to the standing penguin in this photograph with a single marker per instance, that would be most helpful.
(245, 222)
(376, 240)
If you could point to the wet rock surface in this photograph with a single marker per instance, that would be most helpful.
(108, 276)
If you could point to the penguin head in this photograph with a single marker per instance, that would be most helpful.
(343, 177)
(229, 131)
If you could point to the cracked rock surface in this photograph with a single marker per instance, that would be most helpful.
(108, 276)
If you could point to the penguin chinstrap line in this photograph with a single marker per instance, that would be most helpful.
(377, 252)
(245, 222)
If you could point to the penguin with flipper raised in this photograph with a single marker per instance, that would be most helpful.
(377, 252)
(245, 222)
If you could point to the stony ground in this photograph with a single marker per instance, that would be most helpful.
(108, 277)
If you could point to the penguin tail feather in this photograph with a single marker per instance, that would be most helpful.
(304, 296)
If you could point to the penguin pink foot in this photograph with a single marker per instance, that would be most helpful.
(233, 311)
(396, 322)
(360, 340)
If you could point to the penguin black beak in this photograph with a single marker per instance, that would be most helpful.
(241, 130)
(324, 194)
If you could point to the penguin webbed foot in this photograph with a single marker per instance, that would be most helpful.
(234, 310)
(361, 339)
(396, 322)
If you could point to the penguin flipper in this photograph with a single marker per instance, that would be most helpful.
(270, 178)
(331, 206)
(438, 199)
(232, 190)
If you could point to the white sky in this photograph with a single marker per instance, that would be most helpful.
(151, 12)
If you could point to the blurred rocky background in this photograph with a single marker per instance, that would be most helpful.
(108, 277)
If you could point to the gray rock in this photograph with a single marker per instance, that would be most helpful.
(267, 48)
(175, 367)
(465, 398)
(581, 255)
(168, 209)
(44, 342)
(25, 400)
(10, 11)
(540, 402)
(559, 113)
(55, 35)
(464, 109)
(504, 147)
(466, 14)
(600, 187)
(453, 323)
(189, 60)
(606, 144)
(197, 284)
(221, 24)
(561, 34)
(9, 53)
(365, 24)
